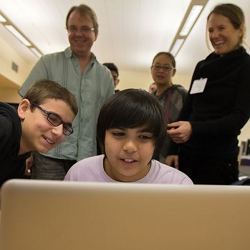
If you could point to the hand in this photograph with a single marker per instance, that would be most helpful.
(180, 131)
(172, 160)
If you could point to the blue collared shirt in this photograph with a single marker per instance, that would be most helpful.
(91, 88)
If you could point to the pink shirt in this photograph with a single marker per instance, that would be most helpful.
(91, 169)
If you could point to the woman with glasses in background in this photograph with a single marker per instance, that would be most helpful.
(218, 104)
(171, 96)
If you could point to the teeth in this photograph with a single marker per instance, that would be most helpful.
(49, 141)
(218, 43)
(128, 160)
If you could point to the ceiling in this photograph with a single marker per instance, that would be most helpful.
(131, 31)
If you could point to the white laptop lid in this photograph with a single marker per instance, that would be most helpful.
(54, 215)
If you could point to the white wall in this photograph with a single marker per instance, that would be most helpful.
(9, 55)
(10, 80)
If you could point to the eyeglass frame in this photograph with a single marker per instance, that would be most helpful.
(82, 30)
(165, 68)
(67, 127)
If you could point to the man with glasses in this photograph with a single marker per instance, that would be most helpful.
(171, 96)
(78, 70)
(42, 120)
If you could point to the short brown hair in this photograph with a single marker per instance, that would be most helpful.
(46, 89)
(84, 10)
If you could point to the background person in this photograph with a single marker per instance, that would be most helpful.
(129, 128)
(78, 70)
(114, 72)
(218, 103)
(171, 96)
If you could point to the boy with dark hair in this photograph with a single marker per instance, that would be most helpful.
(130, 127)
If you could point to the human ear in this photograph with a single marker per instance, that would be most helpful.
(23, 106)
(174, 71)
(242, 30)
(96, 34)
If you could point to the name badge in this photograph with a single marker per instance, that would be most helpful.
(198, 86)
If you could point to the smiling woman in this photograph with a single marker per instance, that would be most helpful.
(218, 104)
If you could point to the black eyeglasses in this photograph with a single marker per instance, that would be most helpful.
(82, 30)
(164, 68)
(55, 120)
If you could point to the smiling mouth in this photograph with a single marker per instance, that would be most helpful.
(48, 140)
(129, 161)
(218, 44)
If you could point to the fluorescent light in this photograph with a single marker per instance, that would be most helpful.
(189, 19)
(177, 45)
(2, 19)
(36, 52)
(18, 35)
(193, 15)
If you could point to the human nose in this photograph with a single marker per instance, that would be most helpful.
(77, 32)
(58, 130)
(130, 146)
(160, 68)
(213, 34)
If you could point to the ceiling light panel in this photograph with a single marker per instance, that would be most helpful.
(2, 19)
(193, 15)
(18, 35)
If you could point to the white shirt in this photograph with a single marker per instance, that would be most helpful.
(92, 169)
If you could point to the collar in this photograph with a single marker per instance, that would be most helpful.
(69, 54)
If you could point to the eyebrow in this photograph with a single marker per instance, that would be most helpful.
(165, 64)
(145, 131)
(52, 112)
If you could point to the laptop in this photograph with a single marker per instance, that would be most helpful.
(57, 215)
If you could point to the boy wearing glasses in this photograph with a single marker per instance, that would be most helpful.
(42, 120)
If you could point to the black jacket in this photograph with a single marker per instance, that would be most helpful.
(11, 164)
(222, 109)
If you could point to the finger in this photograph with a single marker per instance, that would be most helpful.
(173, 125)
